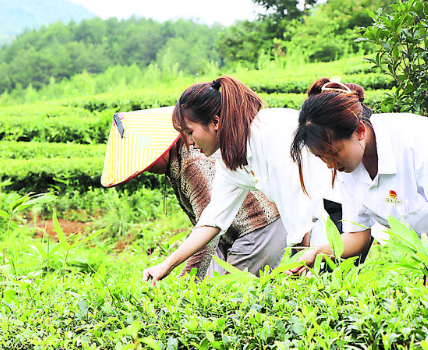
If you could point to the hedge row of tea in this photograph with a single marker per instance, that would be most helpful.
(41, 166)
(368, 310)
(65, 124)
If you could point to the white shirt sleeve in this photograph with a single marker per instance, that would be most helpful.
(227, 196)
(418, 218)
(295, 207)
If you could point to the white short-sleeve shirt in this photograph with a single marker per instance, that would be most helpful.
(400, 188)
(271, 170)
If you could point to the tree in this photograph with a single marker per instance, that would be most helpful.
(285, 9)
(401, 38)
(244, 41)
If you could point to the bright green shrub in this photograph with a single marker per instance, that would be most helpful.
(277, 100)
(402, 54)
(30, 150)
(113, 309)
(71, 125)
(129, 100)
(62, 174)
(370, 81)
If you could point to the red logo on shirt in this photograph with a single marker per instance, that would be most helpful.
(392, 194)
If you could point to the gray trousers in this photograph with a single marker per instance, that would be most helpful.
(257, 249)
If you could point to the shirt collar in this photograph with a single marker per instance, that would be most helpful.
(217, 154)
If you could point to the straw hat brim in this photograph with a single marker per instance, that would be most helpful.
(137, 140)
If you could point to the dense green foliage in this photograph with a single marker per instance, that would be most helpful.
(39, 59)
(324, 33)
(68, 295)
(62, 51)
(401, 39)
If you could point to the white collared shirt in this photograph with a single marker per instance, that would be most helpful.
(400, 188)
(270, 170)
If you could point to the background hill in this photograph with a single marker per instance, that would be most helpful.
(18, 15)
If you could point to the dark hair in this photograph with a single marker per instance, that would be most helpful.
(332, 112)
(236, 106)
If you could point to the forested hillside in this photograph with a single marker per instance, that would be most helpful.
(61, 51)
(18, 15)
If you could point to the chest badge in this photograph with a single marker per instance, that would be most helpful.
(392, 198)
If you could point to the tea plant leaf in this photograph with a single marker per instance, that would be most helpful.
(93, 235)
(229, 268)
(367, 277)
(150, 342)
(348, 264)
(102, 271)
(14, 206)
(210, 336)
(59, 231)
(46, 284)
(383, 281)
(97, 284)
(176, 238)
(11, 239)
(41, 198)
(329, 262)
(83, 307)
(404, 248)
(287, 255)
(334, 239)
(235, 277)
(285, 267)
(56, 247)
(31, 199)
(40, 249)
(5, 269)
(4, 214)
(402, 231)
(423, 257)
(317, 264)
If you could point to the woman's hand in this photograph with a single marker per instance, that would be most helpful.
(309, 257)
(157, 272)
(198, 239)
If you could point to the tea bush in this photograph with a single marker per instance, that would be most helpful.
(400, 37)
(69, 125)
(115, 310)
(63, 174)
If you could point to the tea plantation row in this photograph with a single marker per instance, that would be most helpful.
(343, 310)
(76, 124)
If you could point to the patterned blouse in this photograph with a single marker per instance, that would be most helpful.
(192, 179)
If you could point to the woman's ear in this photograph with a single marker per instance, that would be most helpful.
(361, 131)
(215, 122)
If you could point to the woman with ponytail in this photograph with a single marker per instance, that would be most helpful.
(227, 120)
(379, 161)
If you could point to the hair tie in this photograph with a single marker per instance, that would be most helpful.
(216, 85)
(336, 80)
